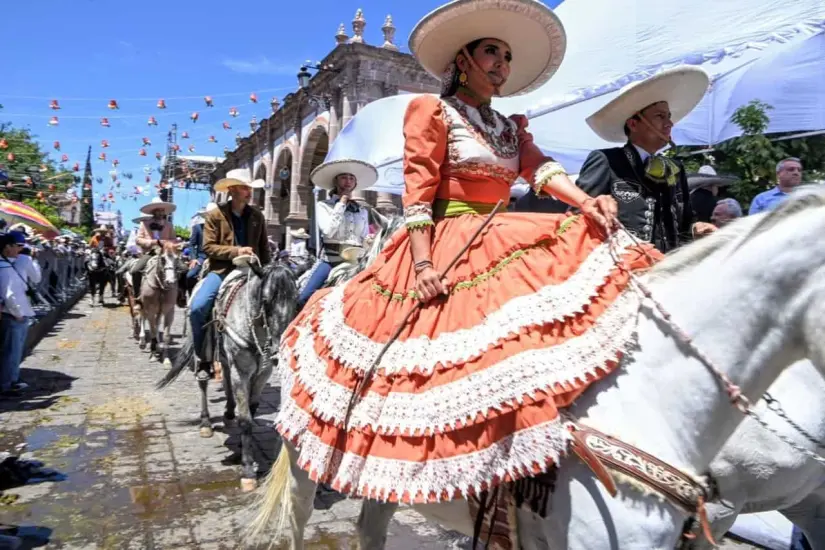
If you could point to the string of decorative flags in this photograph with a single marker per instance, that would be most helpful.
(142, 149)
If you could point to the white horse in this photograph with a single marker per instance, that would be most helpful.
(757, 472)
(158, 293)
(751, 298)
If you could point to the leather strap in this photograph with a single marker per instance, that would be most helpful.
(600, 451)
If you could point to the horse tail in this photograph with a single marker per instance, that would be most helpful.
(185, 356)
(274, 496)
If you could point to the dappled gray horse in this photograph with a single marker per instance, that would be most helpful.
(253, 308)
(159, 292)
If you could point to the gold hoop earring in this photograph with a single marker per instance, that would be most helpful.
(462, 78)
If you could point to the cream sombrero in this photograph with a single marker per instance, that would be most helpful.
(238, 176)
(158, 204)
(531, 29)
(299, 233)
(324, 175)
(140, 219)
(682, 87)
(707, 177)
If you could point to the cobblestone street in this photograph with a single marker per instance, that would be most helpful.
(134, 471)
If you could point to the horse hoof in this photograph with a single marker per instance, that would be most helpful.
(167, 363)
(142, 345)
(248, 485)
(229, 422)
(206, 431)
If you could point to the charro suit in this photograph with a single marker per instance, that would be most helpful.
(651, 211)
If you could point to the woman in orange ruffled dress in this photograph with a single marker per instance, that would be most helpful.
(469, 394)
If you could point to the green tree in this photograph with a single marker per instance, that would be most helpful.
(752, 157)
(31, 171)
(183, 232)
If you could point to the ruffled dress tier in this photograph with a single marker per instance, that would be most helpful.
(469, 395)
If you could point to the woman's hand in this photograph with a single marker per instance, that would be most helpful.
(603, 210)
(428, 285)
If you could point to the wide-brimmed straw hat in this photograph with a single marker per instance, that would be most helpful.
(352, 254)
(707, 177)
(208, 208)
(682, 87)
(157, 204)
(534, 33)
(140, 219)
(101, 229)
(299, 233)
(324, 175)
(238, 176)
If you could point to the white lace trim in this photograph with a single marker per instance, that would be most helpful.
(516, 455)
(452, 405)
(418, 213)
(549, 304)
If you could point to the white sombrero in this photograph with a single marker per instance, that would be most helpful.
(299, 233)
(140, 219)
(682, 87)
(158, 204)
(352, 254)
(238, 176)
(531, 29)
(101, 229)
(324, 175)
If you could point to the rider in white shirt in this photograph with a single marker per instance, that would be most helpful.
(342, 222)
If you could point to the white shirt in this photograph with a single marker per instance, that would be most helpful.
(298, 248)
(642, 153)
(13, 290)
(337, 225)
(28, 267)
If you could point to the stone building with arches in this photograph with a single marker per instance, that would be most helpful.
(284, 149)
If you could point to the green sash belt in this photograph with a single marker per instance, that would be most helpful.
(443, 208)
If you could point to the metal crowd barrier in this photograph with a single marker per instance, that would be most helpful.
(63, 278)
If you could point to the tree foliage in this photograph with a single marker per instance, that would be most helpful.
(183, 232)
(752, 157)
(23, 161)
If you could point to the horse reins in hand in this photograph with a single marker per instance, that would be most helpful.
(370, 372)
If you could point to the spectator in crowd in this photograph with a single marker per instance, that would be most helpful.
(725, 211)
(788, 177)
(17, 312)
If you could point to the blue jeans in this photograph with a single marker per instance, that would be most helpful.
(798, 540)
(13, 335)
(316, 281)
(194, 272)
(201, 309)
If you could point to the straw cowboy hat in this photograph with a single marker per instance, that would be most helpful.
(352, 254)
(534, 33)
(299, 233)
(238, 176)
(707, 177)
(206, 209)
(101, 229)
(157, 204)
(682, 87)
(324, 175)
(140, 219)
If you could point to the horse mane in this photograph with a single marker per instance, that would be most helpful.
(739, 232)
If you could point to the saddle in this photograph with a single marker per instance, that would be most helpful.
(227, 293)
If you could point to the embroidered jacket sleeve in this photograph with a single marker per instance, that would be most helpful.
(534, 166)
(330, 218)
(425, 149)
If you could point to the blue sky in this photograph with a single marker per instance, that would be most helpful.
(86, 52)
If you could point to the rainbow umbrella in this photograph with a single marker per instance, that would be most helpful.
(14, 212)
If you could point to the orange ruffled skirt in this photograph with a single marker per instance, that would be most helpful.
(469, 395)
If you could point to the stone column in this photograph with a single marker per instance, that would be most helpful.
(334, 122)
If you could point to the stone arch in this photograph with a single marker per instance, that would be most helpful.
(258, 195)
(314, 152)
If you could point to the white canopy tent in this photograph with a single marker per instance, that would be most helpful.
(770, 50)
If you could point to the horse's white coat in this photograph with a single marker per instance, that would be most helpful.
(159, 292)
(753, 299)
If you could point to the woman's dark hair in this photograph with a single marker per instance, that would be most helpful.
(454, 83)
